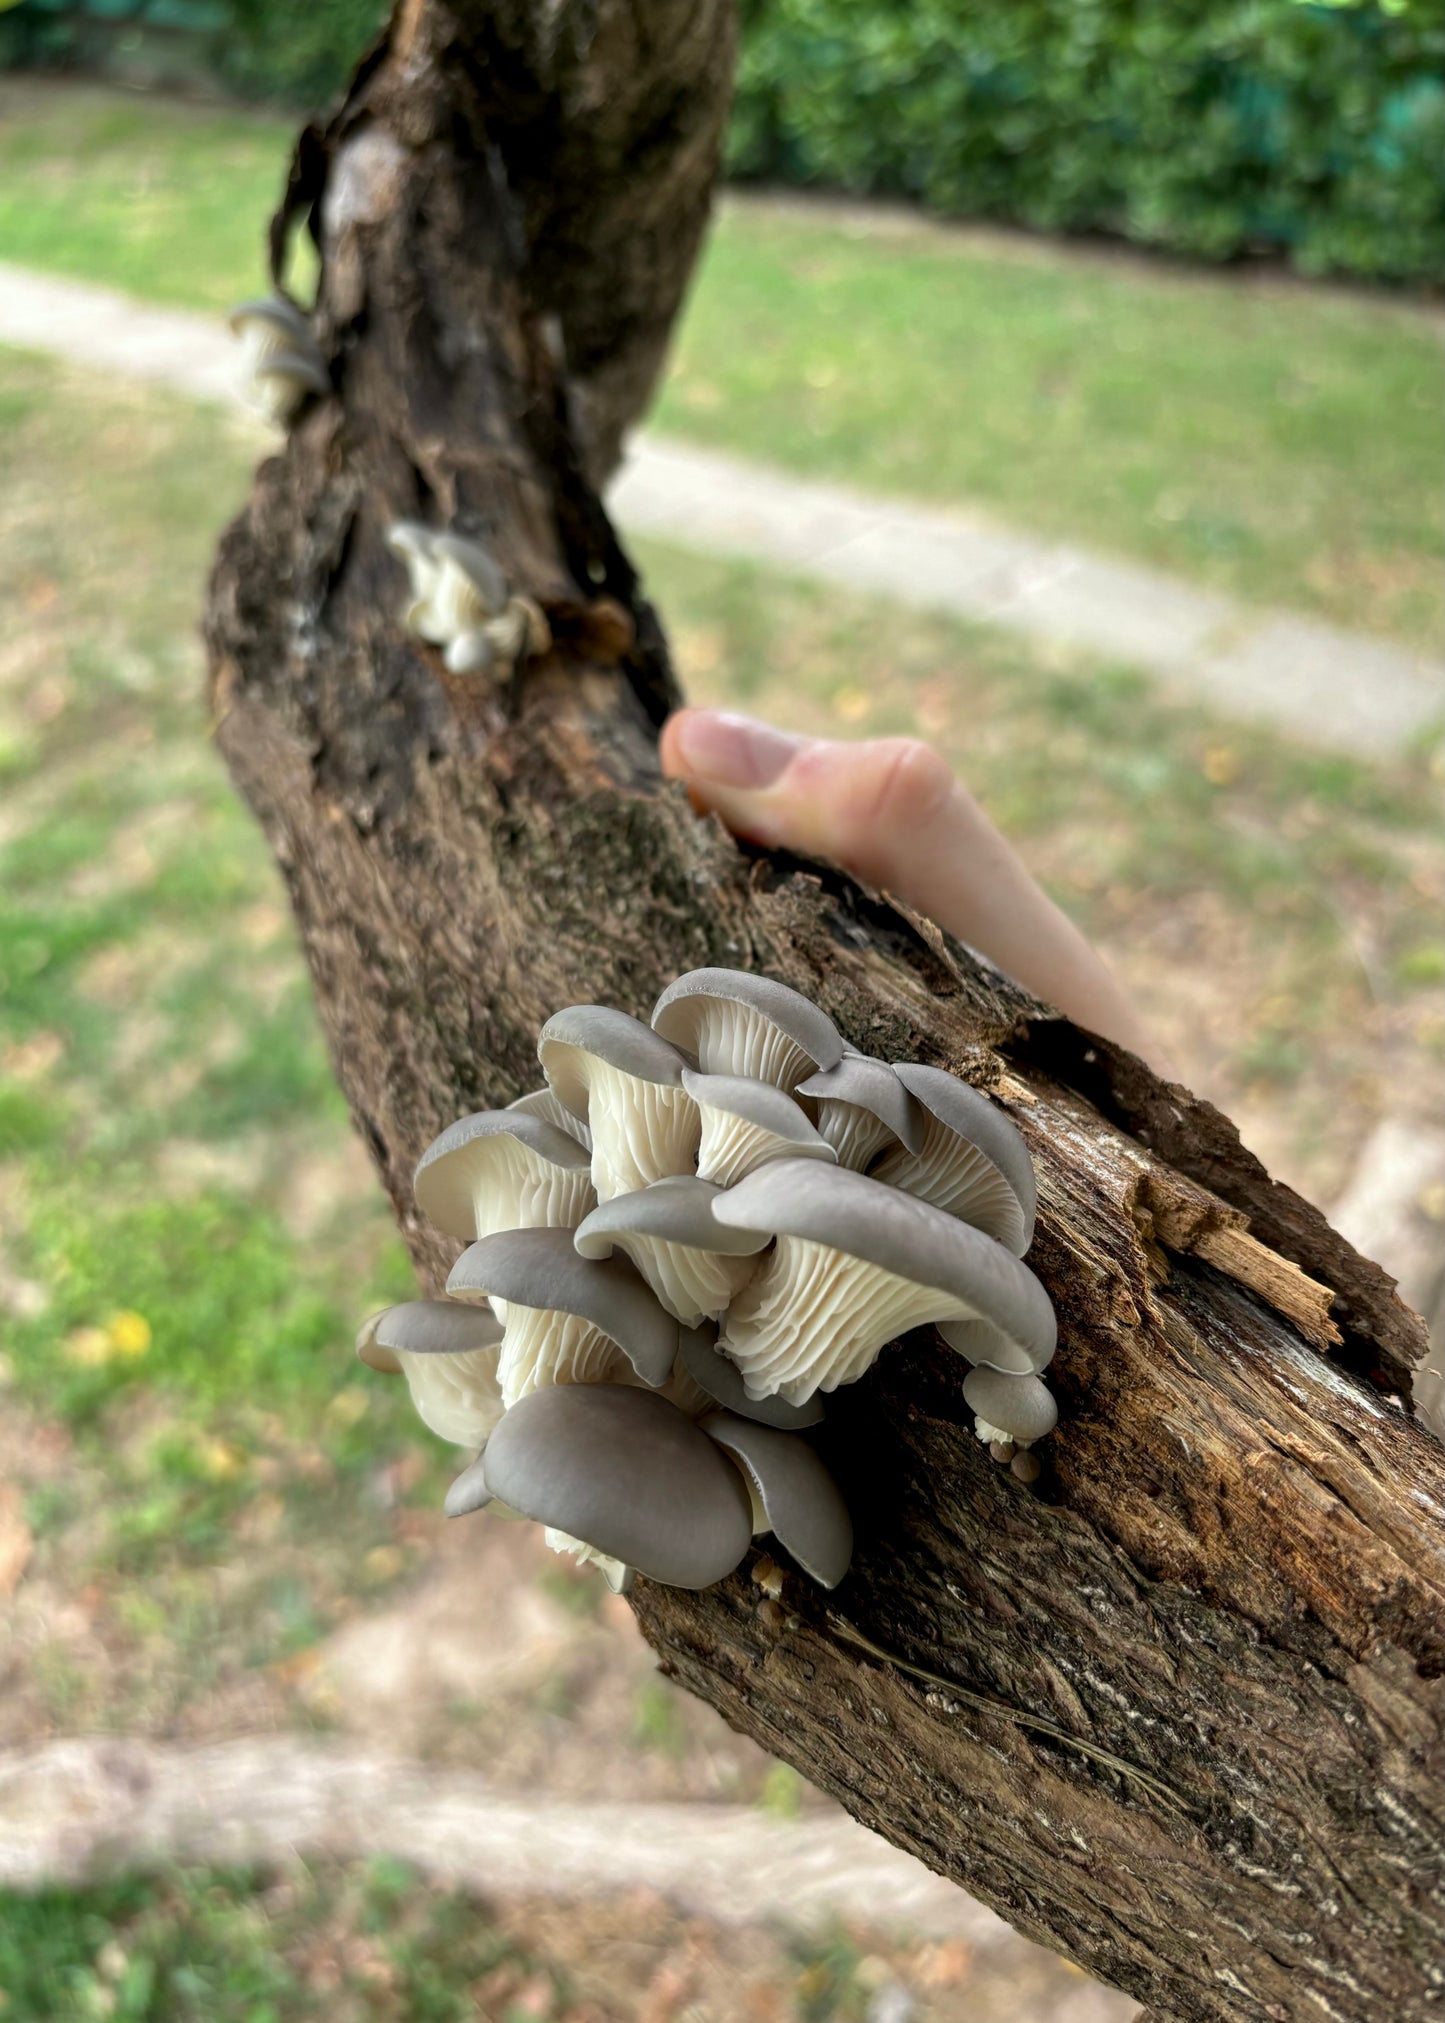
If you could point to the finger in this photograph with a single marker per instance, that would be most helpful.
(890, 811)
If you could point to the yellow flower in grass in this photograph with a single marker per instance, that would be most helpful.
(128, 1333)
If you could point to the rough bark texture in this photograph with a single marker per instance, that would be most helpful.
(1177, 1712)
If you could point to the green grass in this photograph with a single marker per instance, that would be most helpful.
(363, 1945)
(174, 1190)
(1275, 441)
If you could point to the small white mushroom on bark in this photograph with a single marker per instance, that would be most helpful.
(747, 1123)
(856, 1264)
(622, 1473)
(863, 1109)
(282, 361)
(792, 1493)
(694, 1265)
(448, 1354)
(568, 1319)
(972, 1162)
(460, 601)
(504, 1169)
(739, 1024)
(625, 1083)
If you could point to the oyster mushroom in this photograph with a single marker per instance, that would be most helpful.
(746, 1123)
(282, 359)
(460, 601)
(717, 1375)
(863, 1109)
(448, 1355)
(544, 1103)
(503, 1169)
(1020, 1409)
(793, 1495)
(622, 1477)
(568, 1319)
(740, 1024)
(972, 1163)
(694, 1265)
(855, 1265)
(625, 1082)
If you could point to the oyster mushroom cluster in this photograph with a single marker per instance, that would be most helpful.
(697, 1230)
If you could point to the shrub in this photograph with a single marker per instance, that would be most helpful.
(1253, 125)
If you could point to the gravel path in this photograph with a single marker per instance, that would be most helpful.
(1312, 681)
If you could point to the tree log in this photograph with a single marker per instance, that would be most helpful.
(1177, 1711)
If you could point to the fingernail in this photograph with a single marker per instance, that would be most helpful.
(733, 751)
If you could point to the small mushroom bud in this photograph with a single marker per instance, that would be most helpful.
(1013, 1410)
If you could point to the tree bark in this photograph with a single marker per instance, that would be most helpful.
(1176, 1713)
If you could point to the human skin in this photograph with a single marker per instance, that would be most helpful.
(889, 811)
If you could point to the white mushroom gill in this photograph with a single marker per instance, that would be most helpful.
(524, 1191)
(694, 1285)
(815, 1318)
(641, 1131)
(457, 1397)
(956, 1177)
(542, 1347)
(732, 1146)
(733, 1039)
(548, 1105)
(855, 1134)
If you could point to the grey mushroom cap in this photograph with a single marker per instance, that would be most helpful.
(969, 1114)
(369, 1350)
(987, 1347)
(802, 1503)
(1022, 1407)
(898, 1233)
(541, 1268)
(675, 1210)
(694, 1265)
(469, 1490)
(454, 1165)
(272, 309)
(720, 1377)
(435, 1327)
(807, 1037)
(615, 1037)
(626, 1473)
(865, 1084)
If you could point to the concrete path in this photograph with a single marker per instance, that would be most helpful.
(1311, 681)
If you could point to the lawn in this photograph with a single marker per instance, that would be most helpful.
(200, 1491)
(1270, 439)
(189, 1235)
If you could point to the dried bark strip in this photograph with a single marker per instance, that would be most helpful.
(1232, 1579)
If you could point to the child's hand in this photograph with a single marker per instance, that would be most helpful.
(891, 812)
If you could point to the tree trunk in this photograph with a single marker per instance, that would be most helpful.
(1176, 1712)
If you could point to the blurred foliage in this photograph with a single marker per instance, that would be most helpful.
(1316, 131)
(1255, 125)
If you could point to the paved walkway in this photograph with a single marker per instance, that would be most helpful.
(1312, 681)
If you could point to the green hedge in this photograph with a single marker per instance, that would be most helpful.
(1211, 129)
